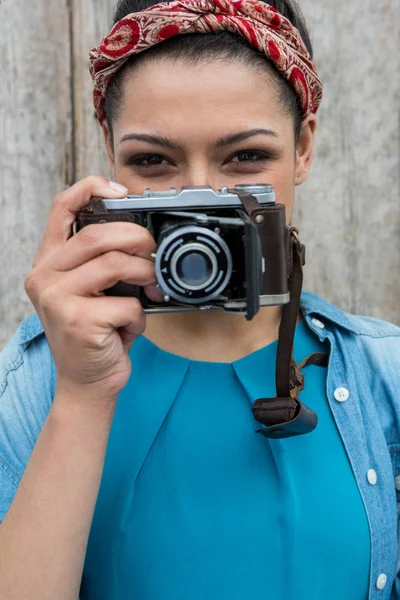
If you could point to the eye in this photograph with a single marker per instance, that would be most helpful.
(148, 161)
(249, 156)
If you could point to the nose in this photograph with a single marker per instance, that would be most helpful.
(199, 175)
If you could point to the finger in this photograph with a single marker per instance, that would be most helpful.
(102, 272)
(116, 312)
(66, 206)
(153, 293)
(97, 239)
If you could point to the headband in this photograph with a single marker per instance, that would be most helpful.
(258, 23)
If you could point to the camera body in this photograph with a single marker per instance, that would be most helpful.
(225, 249)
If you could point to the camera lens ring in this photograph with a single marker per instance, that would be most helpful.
(186, 248)
(173, 239)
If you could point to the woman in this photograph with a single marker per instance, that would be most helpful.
(169, 493)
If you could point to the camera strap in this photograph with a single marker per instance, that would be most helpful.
(285, 415)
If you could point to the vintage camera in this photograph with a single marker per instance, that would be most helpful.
(224, 249)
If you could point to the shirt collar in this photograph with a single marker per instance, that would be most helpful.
(313, 305)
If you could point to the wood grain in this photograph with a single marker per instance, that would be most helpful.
(91, 21)
(35, 137)
(349, 209)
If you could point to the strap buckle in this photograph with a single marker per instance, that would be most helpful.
(302, 419)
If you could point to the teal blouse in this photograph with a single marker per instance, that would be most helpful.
(195, 505)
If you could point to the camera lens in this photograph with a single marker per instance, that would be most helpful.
(194, 269)
(193, 266)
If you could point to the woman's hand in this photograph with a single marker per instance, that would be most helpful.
(88, 332)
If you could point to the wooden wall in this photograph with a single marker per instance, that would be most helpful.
(348, 211)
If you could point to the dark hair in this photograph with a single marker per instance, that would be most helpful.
(195, 47)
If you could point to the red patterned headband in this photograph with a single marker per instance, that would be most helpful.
(259, 23)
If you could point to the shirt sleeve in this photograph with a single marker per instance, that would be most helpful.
(27, 387)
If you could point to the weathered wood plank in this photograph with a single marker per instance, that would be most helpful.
(349, 209)
(35, 134)
(92, 19)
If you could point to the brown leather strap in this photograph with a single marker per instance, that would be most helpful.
(296, 377)
(285, 415)
(318, 359)
(290, 313)
(250, 203)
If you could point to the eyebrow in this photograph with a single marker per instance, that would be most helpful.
(227, 140)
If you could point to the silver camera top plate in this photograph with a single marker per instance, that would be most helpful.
(192, 197)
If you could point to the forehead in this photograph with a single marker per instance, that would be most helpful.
(169, 95)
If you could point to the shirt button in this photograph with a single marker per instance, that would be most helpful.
(341, 394)
(397, 482)
(318, 323)
(372, 478)
(381, 581)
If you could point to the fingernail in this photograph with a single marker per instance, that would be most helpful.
(121, 189)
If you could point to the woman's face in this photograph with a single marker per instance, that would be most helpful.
(217, 124)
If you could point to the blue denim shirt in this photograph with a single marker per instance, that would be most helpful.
(363, 390)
